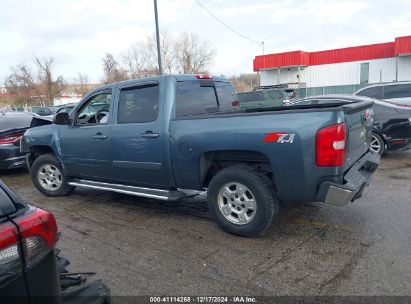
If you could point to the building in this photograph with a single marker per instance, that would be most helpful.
(340, 70)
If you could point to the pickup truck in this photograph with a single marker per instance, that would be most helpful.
(173, 136)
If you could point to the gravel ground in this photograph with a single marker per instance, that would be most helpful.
(148, 247)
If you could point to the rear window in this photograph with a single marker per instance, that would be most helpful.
(375, 92)
(397, 91)
(226, 96)
(193, 99)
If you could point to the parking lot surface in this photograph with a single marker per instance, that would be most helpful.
(148, 247)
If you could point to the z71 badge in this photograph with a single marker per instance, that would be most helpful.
(279, 137)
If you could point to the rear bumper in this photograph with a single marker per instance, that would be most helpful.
(10, 157)
(355, 181)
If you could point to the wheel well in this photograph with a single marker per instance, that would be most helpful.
(37, 151)
(212, 162)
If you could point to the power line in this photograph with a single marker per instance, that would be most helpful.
(227, 26)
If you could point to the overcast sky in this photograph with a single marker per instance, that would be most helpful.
(77, 33)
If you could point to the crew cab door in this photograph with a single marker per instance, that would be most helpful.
(85, 145)
(137, 145)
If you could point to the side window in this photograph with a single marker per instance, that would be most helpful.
(397, 91)
(257, 96)
(374, 92)
(95, 110)
(138, 104)
(250, 97)
(193, 99)
(275, 94)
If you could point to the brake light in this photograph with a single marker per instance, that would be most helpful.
(38, 232)
(11, 138)
(235, 103)
(10, 262)
(203, 76)
(330, 146)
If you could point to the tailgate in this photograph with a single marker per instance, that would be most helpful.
(359, 121)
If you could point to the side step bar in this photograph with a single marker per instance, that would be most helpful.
(161, 194)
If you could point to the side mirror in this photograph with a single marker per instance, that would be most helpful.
(61, 119)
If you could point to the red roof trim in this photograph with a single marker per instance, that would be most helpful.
(401, 46)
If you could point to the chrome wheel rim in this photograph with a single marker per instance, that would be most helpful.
(375, 144)
(49, 177)
(237, 203)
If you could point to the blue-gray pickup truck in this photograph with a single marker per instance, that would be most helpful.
(171, 136)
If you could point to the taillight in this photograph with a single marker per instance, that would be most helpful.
(38, 233)
(203, 76)
(10, 262)
(236, 103)
(330, 146)
(10, 138)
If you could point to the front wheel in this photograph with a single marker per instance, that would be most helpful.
(242, 200)
(48, 177)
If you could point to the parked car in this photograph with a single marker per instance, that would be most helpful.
(12, 127)
(392, 123)
(164, 134)
(396, 92)
(31, 268)
(28, 270)
(43, 111)
(265, 98)
(66, 108)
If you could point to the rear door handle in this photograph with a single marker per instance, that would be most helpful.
(150, 134)
(99, 136)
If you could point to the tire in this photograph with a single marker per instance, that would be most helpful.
(48, 177)
(377, 144)
(252, 211)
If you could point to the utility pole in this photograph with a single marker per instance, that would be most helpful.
(160, 68)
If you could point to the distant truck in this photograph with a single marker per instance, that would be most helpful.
(172, 136)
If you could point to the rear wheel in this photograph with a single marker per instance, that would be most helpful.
(377, 144)
(242, 200)
(48, 177)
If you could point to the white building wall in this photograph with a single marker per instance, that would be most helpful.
(346, 73)
(404, 68)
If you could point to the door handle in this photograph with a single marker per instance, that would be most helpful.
(150, 134)
(99, 136)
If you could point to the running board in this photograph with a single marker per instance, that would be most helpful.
(161, 194)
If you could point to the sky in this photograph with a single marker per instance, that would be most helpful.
(77, 33)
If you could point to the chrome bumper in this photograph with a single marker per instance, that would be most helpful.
(356, 179)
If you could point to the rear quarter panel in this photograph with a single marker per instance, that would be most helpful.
(293, 165)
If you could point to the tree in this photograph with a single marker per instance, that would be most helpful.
(192, 54)
(21, 82)
(49, 87)
(244, 82)
(184, 54)
(112, 70)
(81, 84)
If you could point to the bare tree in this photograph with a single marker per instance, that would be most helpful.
(81, 84)
(49, 87)
(192, 54)
(167, 51)
(21, 83)
(112, 70)
(244, 82)
(135, 61)
(184, 54)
